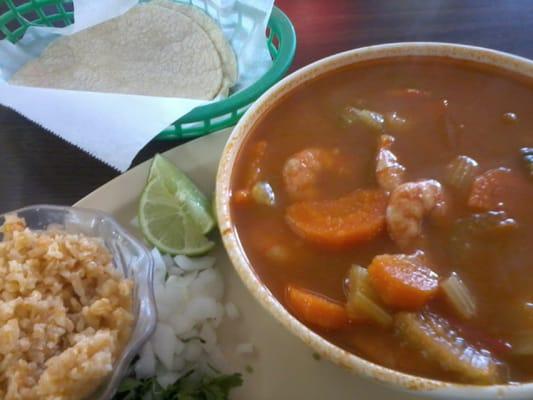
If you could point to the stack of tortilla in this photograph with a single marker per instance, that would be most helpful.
(160, 48)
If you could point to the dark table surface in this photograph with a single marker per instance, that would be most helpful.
(37, 167)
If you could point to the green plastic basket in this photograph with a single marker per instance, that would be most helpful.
(17, 15)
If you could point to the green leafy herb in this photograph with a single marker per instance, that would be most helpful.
(129, 385)
(187, 387)
(249, 369)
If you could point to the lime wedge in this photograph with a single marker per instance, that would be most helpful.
(168, 220)
(178, 184)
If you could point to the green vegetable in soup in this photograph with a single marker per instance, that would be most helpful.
(459, 296)
(362, 303)
(475, 236)
(527, 157)
(439, 341)
(460, 173)
(262, 193)
(371, 119)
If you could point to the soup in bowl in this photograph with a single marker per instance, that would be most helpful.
(377, 203)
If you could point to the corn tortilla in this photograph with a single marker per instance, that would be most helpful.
(211, 28)
(146, 51)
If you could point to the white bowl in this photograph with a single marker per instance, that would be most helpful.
(414, 384)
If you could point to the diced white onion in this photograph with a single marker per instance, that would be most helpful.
(169, 261)
(209, 283)
(181, 324)
(194, 263)
(164, 309)
(145, 366)
(164, 343)
(180, 346)
(188, 294)
(208, 334)
(174, 271)
(193, 350)
(201, 308)
(179, 363)
(160, 269)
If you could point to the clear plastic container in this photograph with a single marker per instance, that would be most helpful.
(129, 255)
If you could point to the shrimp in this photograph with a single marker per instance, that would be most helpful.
(408, 205)
(389, 172)
(302, 171)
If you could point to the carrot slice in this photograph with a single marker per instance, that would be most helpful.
(403, 282)
(352, 219)
(316, 309)
(491, 189)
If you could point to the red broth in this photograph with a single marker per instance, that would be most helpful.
(444, 109)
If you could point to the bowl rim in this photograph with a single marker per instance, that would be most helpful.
(237, 255)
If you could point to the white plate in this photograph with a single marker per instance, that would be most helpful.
(283, 367)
